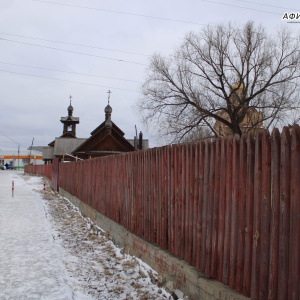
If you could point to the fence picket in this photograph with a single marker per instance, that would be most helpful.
(241, 214)
(227, 213)
(256, 218)
(294, 247)
(275, 210)
(216, 213)
(265, 207)
(234, 211)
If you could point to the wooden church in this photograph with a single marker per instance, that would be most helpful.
(106, 139)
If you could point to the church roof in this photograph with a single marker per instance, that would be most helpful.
(103, 141)
(66, 145)
(48, 153)
(103, 124)
(68, 134)
(69, 118)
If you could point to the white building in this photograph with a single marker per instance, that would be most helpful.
(19, 160)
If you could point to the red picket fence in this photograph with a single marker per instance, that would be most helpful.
(230, 207)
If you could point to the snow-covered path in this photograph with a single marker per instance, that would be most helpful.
(30, 267)
(49, 251)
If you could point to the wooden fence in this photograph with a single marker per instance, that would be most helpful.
(43, 170)
(230, 207)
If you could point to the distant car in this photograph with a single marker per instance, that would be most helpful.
(9, 167)
(2, 167)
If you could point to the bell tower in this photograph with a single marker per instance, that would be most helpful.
(69, 129)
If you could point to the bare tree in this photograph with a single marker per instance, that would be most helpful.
(219, 75)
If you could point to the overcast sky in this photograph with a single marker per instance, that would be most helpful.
(50, 50)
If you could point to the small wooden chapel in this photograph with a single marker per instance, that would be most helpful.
(106, 139)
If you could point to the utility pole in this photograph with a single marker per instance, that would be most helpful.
(18, 157)
(30, 150)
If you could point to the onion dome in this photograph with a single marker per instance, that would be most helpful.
(108, 109)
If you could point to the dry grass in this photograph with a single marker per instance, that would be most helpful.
(130, 263)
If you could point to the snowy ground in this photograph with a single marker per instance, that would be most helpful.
(49, 251)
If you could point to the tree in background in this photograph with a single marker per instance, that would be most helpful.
(221, 74)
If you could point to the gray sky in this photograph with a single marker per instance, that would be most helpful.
(56, 42)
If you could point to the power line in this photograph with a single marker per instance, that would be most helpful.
(75, 52)
(118, 12)
(61, 71)
(74, 44)
(269, 5)
(12, 139)
(153, 17)
(232, 5)
(84, 83)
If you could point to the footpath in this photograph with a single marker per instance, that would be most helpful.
(29, 265)
(49, 251)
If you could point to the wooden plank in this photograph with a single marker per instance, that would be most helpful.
(195, 199)
(177, 201)
(234, 211)
(284, 218)
(132, 193)
(153, 196)
(147, 196)
(143, 194)
(241, 215)
(200, 190)
(93, 183)
(221, 231)
(108, 199)
(191, 203)
(165, 193)
(136, 195)
(204, 207)
(121, 189)
(265, 217)
(150, 197)
(209, 208)
(102, 182)
(191, 221)
(215, 210)
(126, 194)
(275, 211)
(159, 166)
(172, 200)
(294, 245)
(89, 174)
(257, 218)
(177, 195)
(180, 203)
(227, 212)
(187, 203)
(161, 190)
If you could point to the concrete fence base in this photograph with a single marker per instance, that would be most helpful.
(176, 274)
